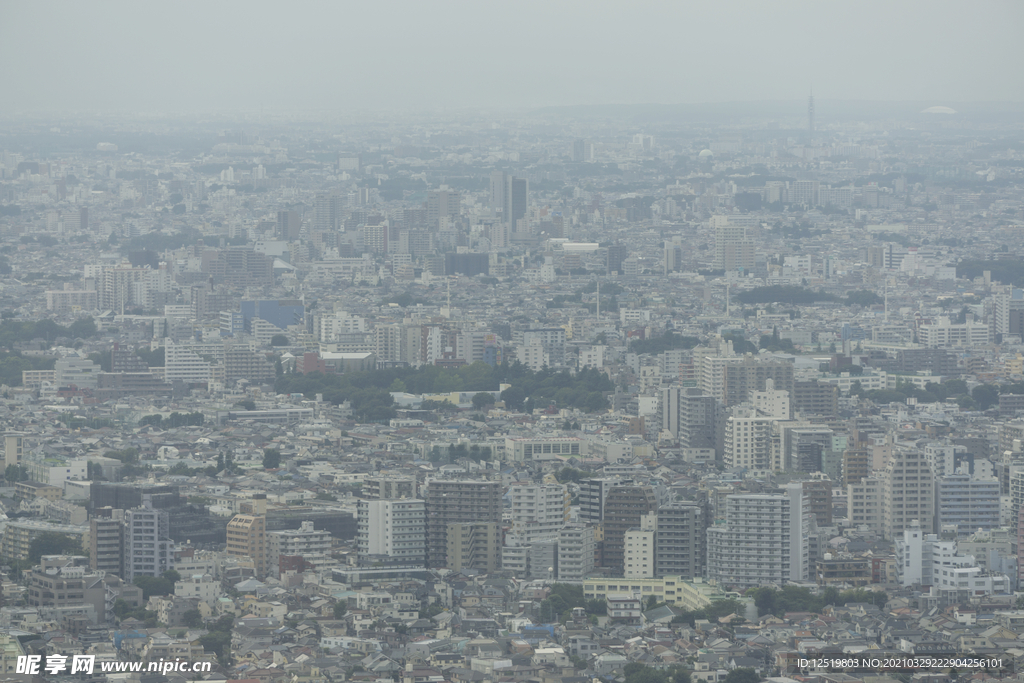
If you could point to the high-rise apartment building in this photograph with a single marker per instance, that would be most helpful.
(695, 418)
(819, 500)
(388, 487)
(443, 203)
(815, 398)
(328, 211)
(289, 225)
(765, 538)
(106, 543)
(312, 545)
(907, 492)
(749, 374)
(624, 509)
(247, 533)
(14, 449)
(968, 503)
(392, 528)
(473, 545)
(1009, 312)
(747, 441)
(539, 511)
(856, 466)
(552, 340)
(681, 540)
(771, 401)
(464, 502)
(576, 548)
(638, 549)
(864, 503)
(148, 548)
(594, 496)
(734, 246)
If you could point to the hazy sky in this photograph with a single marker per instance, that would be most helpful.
(188, 56)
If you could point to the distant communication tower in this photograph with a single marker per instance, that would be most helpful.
(810, 114)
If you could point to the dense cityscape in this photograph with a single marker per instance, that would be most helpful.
(716, 393)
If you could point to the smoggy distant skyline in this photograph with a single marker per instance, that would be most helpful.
(202, 56)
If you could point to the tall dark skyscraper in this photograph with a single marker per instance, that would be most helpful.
(617, 253)
(289, 225)
(516, 202)
(509, 198)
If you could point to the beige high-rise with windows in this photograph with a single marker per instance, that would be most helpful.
(247, 533)
(908, 492)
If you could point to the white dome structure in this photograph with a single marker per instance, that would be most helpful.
(704, 153)
(938, 110)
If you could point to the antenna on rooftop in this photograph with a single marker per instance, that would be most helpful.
(810, 114)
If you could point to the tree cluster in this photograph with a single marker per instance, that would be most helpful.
(783, 294)
(271, 458)
(798, 599)
(571, 474)
(13, 363)
(218, 639)
(773, 343)
(635, 672)
(1010, 271)
(713, 612)
(122, 610)
(563, 598)
(53, 543)
(157, 585)
(175, 419)
(459, 451)
(666, 342)
(370, 397)
(981, 397)
(13, 331)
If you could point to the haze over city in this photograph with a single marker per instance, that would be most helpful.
(195, 56)
(452, 342)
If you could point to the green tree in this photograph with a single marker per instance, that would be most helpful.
(15, 473)
(219, 643)
(340, 608)
(271, 458)
(742, 675)
(53, 543)
(154, 585)
(153, 420)
(279, 340)
(192, 618)
(482, 399)
(985, 395)
(225, 623)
